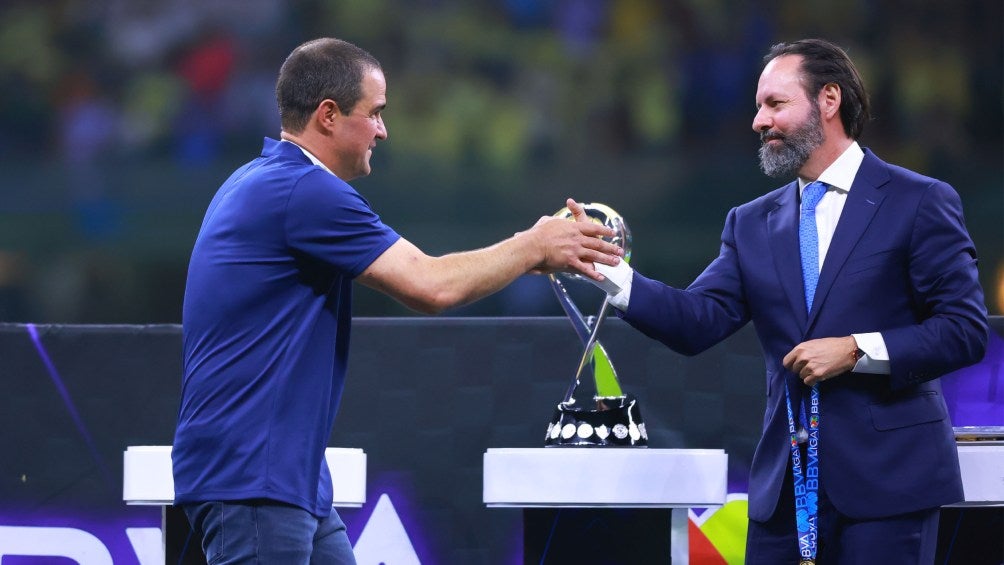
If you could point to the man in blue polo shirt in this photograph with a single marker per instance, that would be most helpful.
(268, 309)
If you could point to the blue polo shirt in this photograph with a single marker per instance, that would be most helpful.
(265, 331)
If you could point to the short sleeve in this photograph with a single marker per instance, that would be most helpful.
(329, 221)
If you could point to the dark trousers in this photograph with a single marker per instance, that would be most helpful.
(905, 539)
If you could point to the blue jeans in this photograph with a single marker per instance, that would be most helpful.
(268, 532)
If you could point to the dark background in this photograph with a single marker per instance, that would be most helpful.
(119, 119)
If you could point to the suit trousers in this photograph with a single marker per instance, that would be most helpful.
(904, 539)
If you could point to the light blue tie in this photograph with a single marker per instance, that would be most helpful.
(808, 239)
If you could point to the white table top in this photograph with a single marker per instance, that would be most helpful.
(148, 477)
(605, 476)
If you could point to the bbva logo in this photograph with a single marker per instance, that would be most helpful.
(383, 540)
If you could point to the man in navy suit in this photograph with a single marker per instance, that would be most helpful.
(863, 291)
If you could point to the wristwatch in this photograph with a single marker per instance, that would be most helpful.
(857, 354)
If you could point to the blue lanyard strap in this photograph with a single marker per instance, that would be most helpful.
(807, 485)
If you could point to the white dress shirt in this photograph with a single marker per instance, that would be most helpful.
(839, 176)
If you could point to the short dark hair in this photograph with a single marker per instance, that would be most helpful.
(320, 69)
(824, 63)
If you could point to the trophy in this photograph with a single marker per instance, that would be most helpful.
(599, 415)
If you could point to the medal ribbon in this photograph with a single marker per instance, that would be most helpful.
(807, 484)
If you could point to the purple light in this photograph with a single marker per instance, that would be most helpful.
(70, 407)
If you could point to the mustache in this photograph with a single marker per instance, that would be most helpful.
(769, 135)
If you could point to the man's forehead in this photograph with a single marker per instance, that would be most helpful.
(374, 84)
(780, 75)
(783, 67)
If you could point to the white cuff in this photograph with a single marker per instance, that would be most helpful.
(876, 357)
(617, 283)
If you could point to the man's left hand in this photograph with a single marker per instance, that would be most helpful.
(817, 360)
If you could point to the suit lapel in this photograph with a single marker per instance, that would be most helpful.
(863, 201)
(782, 232)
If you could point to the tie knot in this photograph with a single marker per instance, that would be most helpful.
(811, 194)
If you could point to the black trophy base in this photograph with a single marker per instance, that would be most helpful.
(611, 422)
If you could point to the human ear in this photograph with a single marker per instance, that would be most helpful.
(829, 100)
(327, 111)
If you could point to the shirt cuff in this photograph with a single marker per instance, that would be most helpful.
(876, 357)
(619, 287)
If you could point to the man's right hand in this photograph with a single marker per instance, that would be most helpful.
(574, 246)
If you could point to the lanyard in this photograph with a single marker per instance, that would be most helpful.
(807, 485)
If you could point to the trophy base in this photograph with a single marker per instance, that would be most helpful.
(615, 422)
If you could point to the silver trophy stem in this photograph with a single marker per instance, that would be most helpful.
(587, 354)
(574, 315)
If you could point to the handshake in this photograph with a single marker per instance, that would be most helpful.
(597, 247)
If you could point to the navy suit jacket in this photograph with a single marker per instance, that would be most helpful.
(901, 263)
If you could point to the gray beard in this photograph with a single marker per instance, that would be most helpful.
(794, 150)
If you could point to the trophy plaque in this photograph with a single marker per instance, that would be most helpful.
(595, 411)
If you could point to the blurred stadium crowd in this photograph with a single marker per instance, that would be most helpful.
(120, 118)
